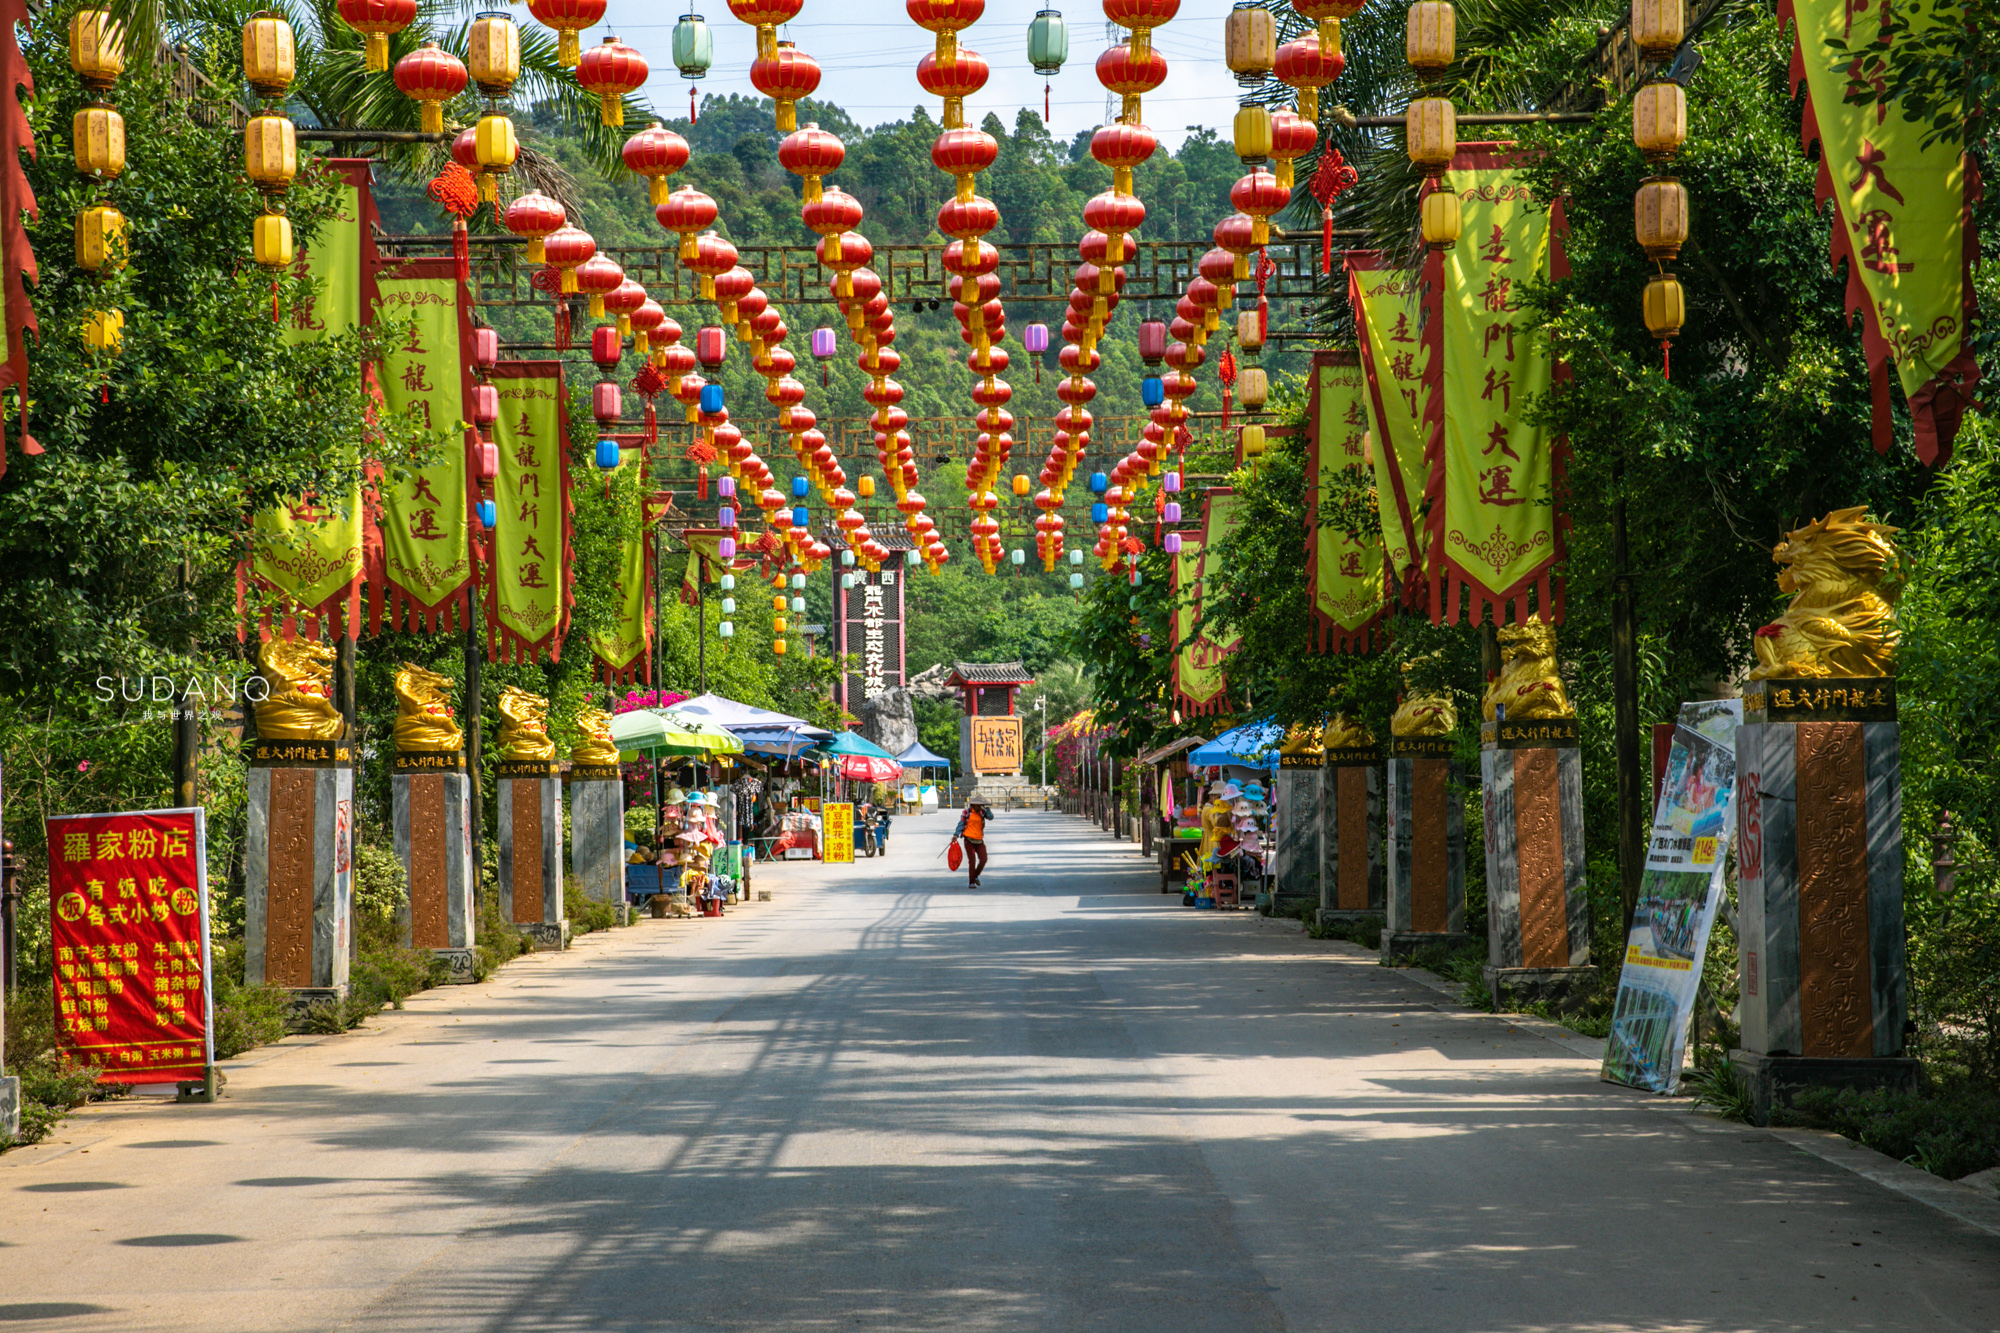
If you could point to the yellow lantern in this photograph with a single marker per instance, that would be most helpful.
(777, 603)
(100, 238)
(1253, 441)
(1250, 42)
(1657, 28)
(104, 330)
(96, 49)
(1441, 218)
(270, 153)
(1660, 217)
(271, 241)
(1430, 37)
(1253, 129)
(778, 647)
(1431, 128)
(778, 624)
(97, 137)
(1665, 306)
(493, 50)
(1660, 120)
(1250, 330)
(270, 60)
(1253, 387)
(1020, 483)
(494, 142)
(865, 487)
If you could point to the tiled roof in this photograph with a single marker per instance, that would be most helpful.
(989, 673)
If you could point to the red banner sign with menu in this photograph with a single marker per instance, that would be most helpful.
(128, 916)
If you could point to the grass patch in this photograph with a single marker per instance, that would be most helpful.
(587, 914)
(1718, 1085)
(1366, 932)
(1464, 965)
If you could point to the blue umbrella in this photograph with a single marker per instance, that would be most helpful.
(1252, 745)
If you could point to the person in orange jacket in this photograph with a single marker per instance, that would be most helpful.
(971, 831)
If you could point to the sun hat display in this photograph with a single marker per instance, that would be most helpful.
(675, 796)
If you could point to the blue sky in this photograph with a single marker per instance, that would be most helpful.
(869, 61)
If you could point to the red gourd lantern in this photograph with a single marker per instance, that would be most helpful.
(612, 70)
(809, 154)
(785, 76)
(431, 76)
(656, 153)
(535, 216)
(687, 211)
(598, 277)
(566, 249)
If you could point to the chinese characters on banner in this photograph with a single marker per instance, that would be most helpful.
(838, 820)
(1343, 570)
(528, 593)
(128, 925)
(1903, 218)
(426, 560)
(871, 629)
(1497, 533)
(1200, 684)
(622, 652)
(310, 553)
(1679, 896)
(1397, 355)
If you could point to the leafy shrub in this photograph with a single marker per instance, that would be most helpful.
(51, 1084)
(1948, 1131)
(587, 914)
(245, 1015)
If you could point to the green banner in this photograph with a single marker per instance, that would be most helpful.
(1903, 224)
(1200, 684)
(426, 555)
(622, 652)
(1343, 570)
(310, 554)
(528, 593)
(1396, 373)
(1497, 536)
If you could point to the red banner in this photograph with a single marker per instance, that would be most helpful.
(128, 920)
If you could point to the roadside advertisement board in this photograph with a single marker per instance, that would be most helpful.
(839, 832)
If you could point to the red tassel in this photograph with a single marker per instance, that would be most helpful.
(461, 248)
(701, 484)
(1326, 240)
(1666, 360)
(691, 105)
(562, 322)
(652, 424)
(274, 302)
(1045, 103)
(1225, 407)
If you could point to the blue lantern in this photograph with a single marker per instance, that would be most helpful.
(607, 453)
(489, 514)
(801, 488)
(1099, 484)
(711, 398)
(1151, 391)
(801, 517)
(725, 517)
(1100, 512)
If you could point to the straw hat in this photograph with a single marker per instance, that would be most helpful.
(675, 796)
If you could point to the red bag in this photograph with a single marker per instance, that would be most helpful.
(955, 857)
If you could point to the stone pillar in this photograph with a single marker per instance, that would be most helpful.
(1295, 836)
(1353, 884)
(298, 893)
(1426, 898)
(597, 832)
(1537, 914)
(531, 882)
(430, 797)
(10, 1086)
(1820, 887)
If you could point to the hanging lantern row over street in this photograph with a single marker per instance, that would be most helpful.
(270, 146)
(1431, 123)
(1659, 128)
(97, 54)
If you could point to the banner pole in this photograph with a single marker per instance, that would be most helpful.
(1625, 705)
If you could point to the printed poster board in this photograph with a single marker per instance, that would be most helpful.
(996, 744)
(1693, 822)
(839, 832)
(128, 923)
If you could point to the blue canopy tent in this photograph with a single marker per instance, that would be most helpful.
(1252, 745)
(919, 758)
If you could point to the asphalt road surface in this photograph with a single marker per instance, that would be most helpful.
(884, 1102)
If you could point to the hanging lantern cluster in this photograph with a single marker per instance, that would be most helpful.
(97, 54)
(812, 153)
(1659, 128)
(1431, 123)
(485, 411)
(377, 21)
(270, 147)
(493, 48)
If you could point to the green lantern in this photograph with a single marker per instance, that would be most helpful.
(1048, 43)
(693, 47)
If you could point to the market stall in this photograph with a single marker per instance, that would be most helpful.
(1169, 803)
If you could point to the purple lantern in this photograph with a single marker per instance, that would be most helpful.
(822, 343)
(726, 487)
(725, 517)
(1171, 483)
(725, 548)
(1171, 512)
(485, 348)
(1035, 338)
(1171, 543)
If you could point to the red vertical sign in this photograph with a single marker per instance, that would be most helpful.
(128, 917)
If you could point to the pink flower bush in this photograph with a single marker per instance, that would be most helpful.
(635, 699)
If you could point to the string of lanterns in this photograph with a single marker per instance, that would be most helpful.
(1659, 128)
(97, 55)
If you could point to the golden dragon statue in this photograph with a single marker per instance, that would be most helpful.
(1423, 712)
(594, 745)
(524, 727)
(1529, 687)
(1302, 741)
(423, 717)
(1345, 732)
(1844, 576)
(299, 706)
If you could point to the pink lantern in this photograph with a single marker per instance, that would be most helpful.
(711, 346)
(485, 405)
(486, 460)
(485, 348)
(822, 343)
(606, 403)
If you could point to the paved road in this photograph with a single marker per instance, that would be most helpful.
(882, 1102)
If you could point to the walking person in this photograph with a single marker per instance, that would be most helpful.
(972, 832)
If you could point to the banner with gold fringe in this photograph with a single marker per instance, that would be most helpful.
(1344, 571)
(624, 653)
(309, 554)
(1903, 220)
(529, 590)
(425, 563)
(1496, 487)
(1396, 363)
(1201, 685)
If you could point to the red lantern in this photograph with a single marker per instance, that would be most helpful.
(1095, 245)
(612, 70)
(656, 153)
(1305, 66)
(568, 18)
(785, 76)
(567, 248)
(1114, 214)
(1128, 74)
(605, 347)
(968, 219)
(624, 302)
(970, 258)
(534, 215)
(431, 76)
(1152, 341)
(712, 258)
(945, 16)
(730, 286)
(809, 154)
(963, 153)
(647, 320)
(965, 75)
(485, 404)
(711, 346)
(687, 211)
(598, 277)
(606, 403)
(378, 20)
(1259, 195)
